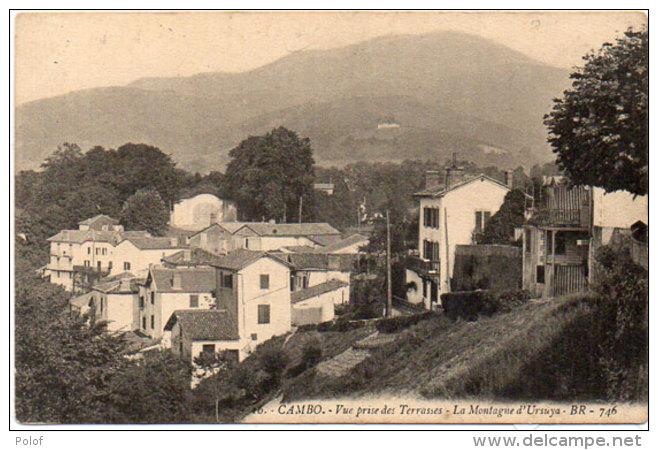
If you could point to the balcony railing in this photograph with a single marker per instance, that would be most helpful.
(420, 265)
(561, 217)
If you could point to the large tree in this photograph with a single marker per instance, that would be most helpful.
(599, 129)
(145, 210)
(269, 175)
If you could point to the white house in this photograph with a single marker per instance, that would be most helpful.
(76, 254)
(115, 302)
(452, 210)
(254, 287)
(264, 236)
(198, 212)
(137, 254)
(196, 332)
(315, 304)
(167, 290)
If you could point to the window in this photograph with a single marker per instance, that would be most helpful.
(227, 280)
(89, 250)
(104, 251)
(141, 302)
(194, 301)
(109, 265)
(208, 349)
(152, 321)
(481, 219)
(98, 251)
(87, 263)
(541, 276)
(126, 265)
(152, 298)
(143, 323)
(246, 242)
(263, 314)
(431, 250)
(431, 217)
(264, 281)
(101, 304)
(254, 337)
(424, 289)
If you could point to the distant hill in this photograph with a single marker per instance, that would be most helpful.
(391, 98)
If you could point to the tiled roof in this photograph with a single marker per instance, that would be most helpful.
(205, 324)
(152, 243)
(102, 217)
(198, 279)
(80, 236)
(117, 287)
(298, 249)
(343, 243)
(441, 190)
(192, 256)
(241, 258)
(325, 239)
(227, 226)
(291, 229)
(321, 261)
(314, 291)
(82, 300)
(118, 276)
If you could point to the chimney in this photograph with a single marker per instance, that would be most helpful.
(432, 179)
(509, 178)
(176, 281)
(454, 174)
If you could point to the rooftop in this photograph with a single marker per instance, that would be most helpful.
(441, 190)
(314, 291)
(99, 218)
(192, 257)
(343, 243)
(241, 258)
(198, 279)
(290, 229)
(204, 324)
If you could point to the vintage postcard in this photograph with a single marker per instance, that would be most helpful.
(336, 217)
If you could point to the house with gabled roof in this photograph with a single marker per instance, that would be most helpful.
(254, 287)
(165, 290)
(453, 208)
(116, 302)
(316, 303)
(193, 333)
(135, 253)
(266, 236)
(199, 211)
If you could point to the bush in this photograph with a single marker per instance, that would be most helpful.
(468, 305)
(394, 324)
(273, 361)
(312, 353)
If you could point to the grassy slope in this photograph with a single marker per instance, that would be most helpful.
(544, 350)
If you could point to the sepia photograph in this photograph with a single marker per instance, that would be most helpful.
(329, 217)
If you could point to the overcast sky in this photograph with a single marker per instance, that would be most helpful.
(63, 52)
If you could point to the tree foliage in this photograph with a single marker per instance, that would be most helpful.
(145, 210)
(268, 175)
(500, 228)
(599, 129)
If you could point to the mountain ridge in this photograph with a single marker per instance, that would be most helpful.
(454, 78)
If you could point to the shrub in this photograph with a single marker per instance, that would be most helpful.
(312, 353)
(466, 305)
(394, 324)
(273, 361)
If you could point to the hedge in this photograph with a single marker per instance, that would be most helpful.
(468, 305)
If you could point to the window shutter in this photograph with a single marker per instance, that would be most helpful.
(263, 314)
(478, 221)
(264, 281)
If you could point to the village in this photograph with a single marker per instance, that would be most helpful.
(439, 223)
(218, 286)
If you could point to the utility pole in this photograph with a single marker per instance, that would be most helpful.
(301, 202)
(389, 293)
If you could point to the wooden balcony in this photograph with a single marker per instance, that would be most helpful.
(422, 266)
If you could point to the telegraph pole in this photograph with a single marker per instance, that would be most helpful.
(301, 202)
(389, 293)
